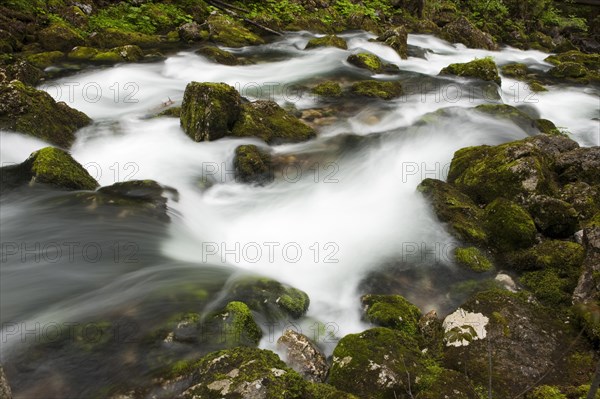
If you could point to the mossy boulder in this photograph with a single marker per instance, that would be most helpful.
(396, 38)
(564, 256)
(518, 70)
(508, 112)
(271, 123)
(447, 383)
(219, 56)
(112, 37)
(461, 30)
(367, 61)
(514, 170)
(509, 225)
(553, 217)
(191, 32)
(45, 59)
(327, 41)
(303, 356)
(568, 69)
(377, 89)
(230, 33)
(209, 110)
(21, 70)
(549, 287)
(527, 341)
(377, 363)
(51, 166)
(482, 68)
(34, 112)
(463, 216)
(473, 258)
(392, 311)
(269, 297)
(583, 197)
(579, 164)
(327, 89)
(59, 37)
(243, 373)
(325, 391)
(591, 61)
(128, 53)
(234, 326)
(253, 165)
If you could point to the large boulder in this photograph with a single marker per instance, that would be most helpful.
(509, 225)
(127, 53)
(59, 36)
(34, 112)
(367, 61)
(392, 311)
(463, 31)
(523, 342)
(230, 33)
(271, 123)
(302, 355)
(21, 70)
(483, 68)
(51, 166)
(209, 110)
(327, 41)
(377, 89)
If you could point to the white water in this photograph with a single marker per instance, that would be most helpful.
(362, 209)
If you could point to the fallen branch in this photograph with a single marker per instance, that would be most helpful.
(218, 4)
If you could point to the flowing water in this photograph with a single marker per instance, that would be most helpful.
(346, 221)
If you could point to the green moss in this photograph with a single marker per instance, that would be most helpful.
(378, 89)
(174, 112)
(498, 318)
(536, 87)
(509, 225)
(396, 38)
(56, 167)
(376, 363)
(45, 59)
(588, 317)
(548, 127)
(230, 33)
(60, 36)
(569, 70)
(549, 287)
(271, 123)
(325, 391)
(209, 110)
(366, 61)
(34, 112)
(509, 112)
(464, 218)
(483, 68)
(238, 325)
(518, 70)
(563, 256)
(553, 217)
(391, 311)
(252, 164)
(238, 369)
(128, 53)
(82, 53)
(545, 392)
(327, 41)
(473, 259)
(220, 56)
(594, 221)
(111, 38)
(591, 61)
(327, 89)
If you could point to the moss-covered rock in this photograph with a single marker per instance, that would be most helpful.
(219, 56)
(112, 37)
(236, 326)
(391, 311)
(367, 61)
(579, 164)
(45, 59)
(568, 70)
(449, 384)
(253, 165)
(271, 123)
(244, 373)
(564, 256)
(303, 356)
(191, 32)
(515, 115)
(377, 89)
(527, 342)
(463, 216)
(34, 112)
(473, 259)
(591, 61)
(59, 37)
(51, 166)
(128, 53)
(396, 38)
(548, 127)
(463, 31)
(269, 297)
(515, 170)
(509, 225)
(325, 391)
(549, 287)
(583, 197)
(327, 89)
(545, 392)
(518, 70)
(483, 68)
(209, 110)
(553, 217)
(377, 363)
(230, 33)
(21, 70)
(327, 41)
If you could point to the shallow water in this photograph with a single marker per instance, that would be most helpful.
(326, 228)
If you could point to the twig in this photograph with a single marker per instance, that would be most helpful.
(217, 4)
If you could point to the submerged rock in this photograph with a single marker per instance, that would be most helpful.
(303, 356)
(34, 112)
(51, 166)
(253, 165)
(483, 68)
(327, 41)
(271, 123)
(209, 110)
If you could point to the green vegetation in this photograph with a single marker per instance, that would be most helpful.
(473, 258)
(377, 89)
(483, 68)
